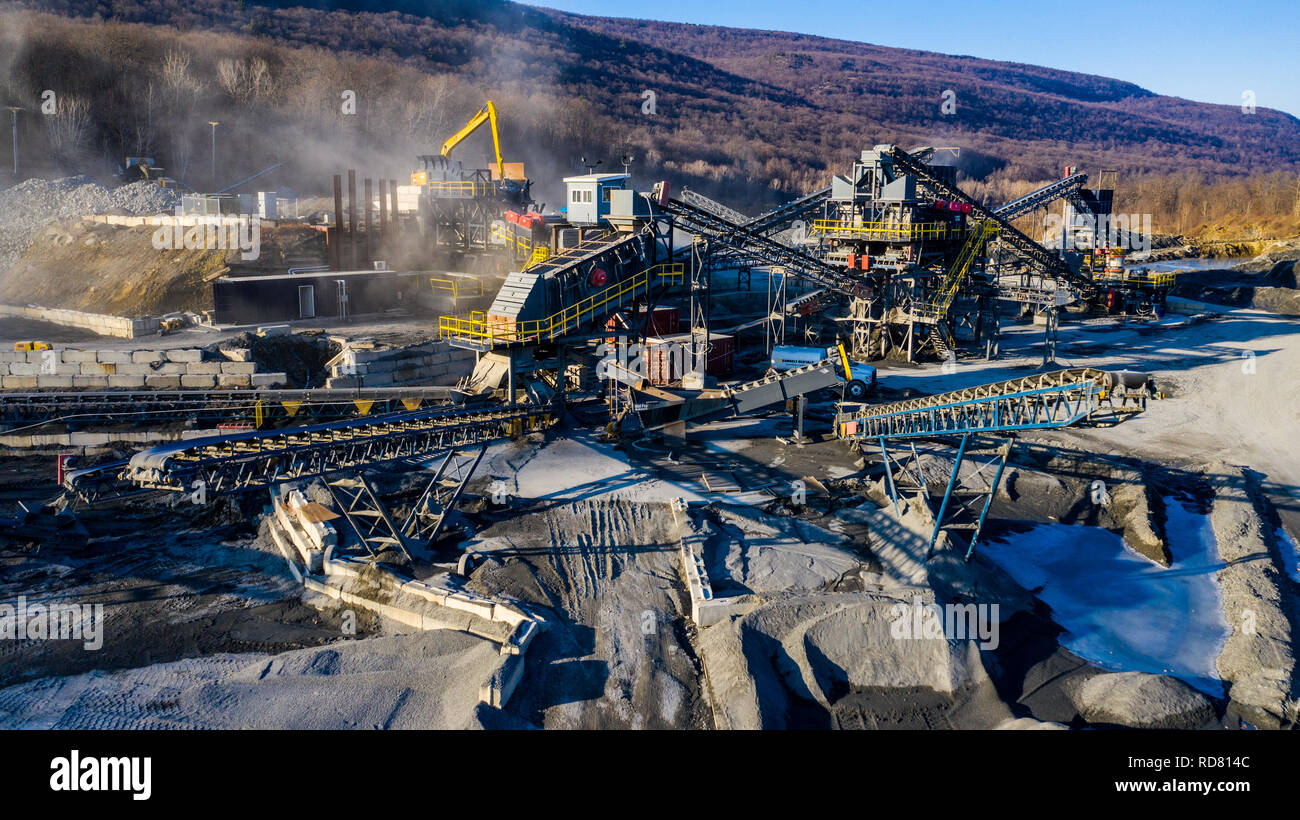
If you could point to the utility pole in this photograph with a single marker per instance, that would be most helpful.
(13, 110)
(212, 171)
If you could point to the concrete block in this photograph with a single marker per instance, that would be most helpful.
(18, 382)
(170, 369)
(97, 369)
(7, 356)
(72, 355)
(199, 381)
(133, 369)
(268, 380)
(126, 381)
(203, 368)
(90, 381)
(241, 368)
(274, 330)
(233, 380)
(158, 382)
(146, 356)
(113, 356)
(237, 354)
(53, 382)
(186, 355)
(24, 369)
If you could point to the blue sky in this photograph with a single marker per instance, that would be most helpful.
(1197, 49)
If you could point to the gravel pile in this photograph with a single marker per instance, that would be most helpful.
(29, 206)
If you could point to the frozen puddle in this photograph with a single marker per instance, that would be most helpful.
(1121, 611)
(1290, 554)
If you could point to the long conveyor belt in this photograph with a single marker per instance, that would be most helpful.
(216, 465)
(724, 231)
(151, 406)
(1058, 399)
(1049, 264)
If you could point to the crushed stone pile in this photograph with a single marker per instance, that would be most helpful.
(29, 206)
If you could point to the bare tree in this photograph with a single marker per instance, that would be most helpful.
(67, 129)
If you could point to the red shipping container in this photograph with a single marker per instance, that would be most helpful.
(668, 357)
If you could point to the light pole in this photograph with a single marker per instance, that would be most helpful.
(13, 110)
(212, 171)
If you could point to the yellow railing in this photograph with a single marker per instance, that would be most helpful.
(675, 273)
(456, 287)
(1135, 277)
(975, 242)
(882, 231)
(476, 328)
(540, 254)
(461, 189)
(516, 242)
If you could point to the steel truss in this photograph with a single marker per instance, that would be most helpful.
(1058, 399)
(258, 406)
(238, 462)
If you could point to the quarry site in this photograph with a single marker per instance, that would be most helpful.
(873, 459)
(590, 448)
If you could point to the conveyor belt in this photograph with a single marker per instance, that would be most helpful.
(1058, 399)
(1067, 188)
(152, 406)
(1051, 265)
(726, 232)
(237, 462)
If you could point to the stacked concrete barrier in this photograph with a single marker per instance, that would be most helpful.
(78, 369)
(102, 324)
(308, 546)
(430, 363)
(706, 610)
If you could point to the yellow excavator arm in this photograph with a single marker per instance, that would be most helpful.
(487, 113)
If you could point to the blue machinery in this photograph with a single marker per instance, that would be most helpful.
(1063, 398)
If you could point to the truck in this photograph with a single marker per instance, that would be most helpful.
(862, 377)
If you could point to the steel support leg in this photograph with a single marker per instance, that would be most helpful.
(889, 477)
(943, 507)
(988, 502)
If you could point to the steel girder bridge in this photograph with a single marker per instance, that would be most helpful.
(1063, 398)
(238, 462)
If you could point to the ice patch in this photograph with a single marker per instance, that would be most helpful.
(1121, 611)
(1290, 554)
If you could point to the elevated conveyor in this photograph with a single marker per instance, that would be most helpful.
(1057, 399)
(211, 406)
(216, 465)
(1066, 188)
(725, 232)
(1044, 400)
(1047, 262)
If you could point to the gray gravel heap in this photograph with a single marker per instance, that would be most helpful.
(29, 206)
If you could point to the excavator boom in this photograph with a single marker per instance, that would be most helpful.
(487, 113)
